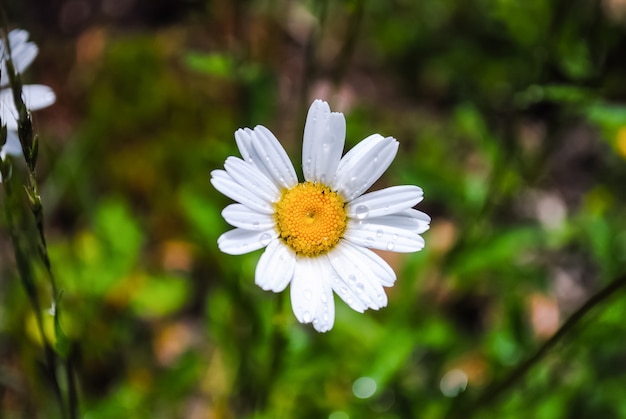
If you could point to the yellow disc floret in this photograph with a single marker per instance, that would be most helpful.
(311, 218)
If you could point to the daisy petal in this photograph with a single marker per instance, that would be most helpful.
(224, 183)
(252, 179)
(37, 96)
(422, 219)
(238, 215)
(311, 293)
(22, 53)
(274, 157)
(240, 241)
(363, 165)
(356, 272)
(397, 234)
(324, 138)
(379, 267)
(385, 201)
(276, 267)
(12, 146)
(243, 138)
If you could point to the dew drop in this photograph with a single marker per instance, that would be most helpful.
(369, 241)
(308, 294)
(395, 237)
(255, 224)
(390, 246)
(379, 233)
(352, 279)
(380, 297)
(361, 211)
(325, 317)
(306, 316)
(323, 298)
(343, 289)
(265, 239)
(360, 287)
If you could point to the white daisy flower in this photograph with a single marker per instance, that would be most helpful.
(35, 96)
(318, 233)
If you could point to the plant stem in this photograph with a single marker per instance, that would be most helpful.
(518, 373)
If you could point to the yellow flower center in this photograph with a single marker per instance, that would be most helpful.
(311, 218)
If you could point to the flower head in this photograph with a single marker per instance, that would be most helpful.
(35, 96)
(318, 233)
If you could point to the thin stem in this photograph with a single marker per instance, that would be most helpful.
(518, 373)
(27, 280)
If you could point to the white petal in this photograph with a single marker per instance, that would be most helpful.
(396, 234)
(22, 53)
(385, 201)
(363, 165)
(324, 138)
(224, 183)
(357, 274)
(12, 145)
(311, 293)
(276, 267)
(239, 241)
(243, 138)
(8, 113)
(274, 157)
(378, 266)
(37, 96)
(252, 179)
(239, 215)
(422, 219)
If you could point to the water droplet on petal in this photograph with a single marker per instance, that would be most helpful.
(265, 239)
(360, 287)
(380, 297)
(390, 246)
(379, 233)
(325, 317)
(306, 316)
(343, 289)
(323, 298)
(255, 224)
(369, 241)
(395, 237)
(307, 294)
(352, 279)
(361, 211)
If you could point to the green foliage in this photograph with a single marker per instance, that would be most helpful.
(510, 115)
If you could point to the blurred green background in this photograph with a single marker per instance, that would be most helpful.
(511, 115)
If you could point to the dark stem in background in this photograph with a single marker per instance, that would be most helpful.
(309, 67)
(349, 43)
(496, 389)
